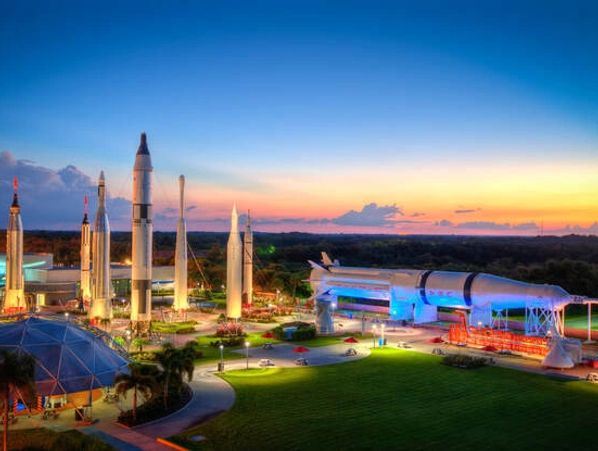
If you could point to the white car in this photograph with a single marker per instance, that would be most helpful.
(301, 361)
(266, 362)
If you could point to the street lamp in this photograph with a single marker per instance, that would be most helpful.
(247, 353)
(66, 316)
(221, 358)
(374, 327)
(128, 333)
(479, 324)
(382, 333)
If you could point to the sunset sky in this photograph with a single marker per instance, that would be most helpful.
(378, 117)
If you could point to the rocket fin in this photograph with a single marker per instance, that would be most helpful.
(314, 265)
(326, 261)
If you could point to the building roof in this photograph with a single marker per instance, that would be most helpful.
(68, 358)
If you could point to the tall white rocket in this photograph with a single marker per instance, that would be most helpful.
(101, 293)
(248, 262)
(85, 254)
(141, 278)
(180, 255)
(14, 292)
(234, 254)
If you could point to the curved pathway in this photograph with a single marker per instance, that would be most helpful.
(212, 395)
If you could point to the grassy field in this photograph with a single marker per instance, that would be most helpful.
(401, 400)
(45, 439)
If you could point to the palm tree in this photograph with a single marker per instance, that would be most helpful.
(17, 375)
(176, 364)
(142, 378)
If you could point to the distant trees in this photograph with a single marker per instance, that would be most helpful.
(281, 258)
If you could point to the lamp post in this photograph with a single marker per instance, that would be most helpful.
(479, 324)
(382, 333)
(66, 316)
(374, 327)
(128, 333)
(247, 354)
(221, 358)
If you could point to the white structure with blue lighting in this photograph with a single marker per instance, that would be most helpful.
(410, 294)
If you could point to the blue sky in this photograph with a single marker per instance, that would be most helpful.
(260, 101)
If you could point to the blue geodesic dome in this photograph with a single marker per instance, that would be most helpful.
(68, 359)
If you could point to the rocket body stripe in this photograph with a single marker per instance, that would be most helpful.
(14, 297)
(180, 255)
(101, 292)
(141, 271)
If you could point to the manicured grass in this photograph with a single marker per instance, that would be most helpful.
(398, 399)
(332, 340)
(46, 439)
(212, 354)
(173, 328)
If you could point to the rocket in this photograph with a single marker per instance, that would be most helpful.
(14, 297)
(180, 255)
(248, 262)
(234, 252)
(85, 254)
(101, 295)
(141, 277)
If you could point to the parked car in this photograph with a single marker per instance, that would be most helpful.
(350, 352)
(265, 362)
(267, 346)
(301, 361)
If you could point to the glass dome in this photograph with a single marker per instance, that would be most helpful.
(68, 358)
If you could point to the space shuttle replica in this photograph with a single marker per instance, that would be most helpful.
(248, 262)
(180, 255)
(85, 255)
(141, 278)
(410, 294)
(14, 292)
(234, 272)
(101, 293)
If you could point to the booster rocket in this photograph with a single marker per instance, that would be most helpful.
(141, 278)
(248, 262)
(85, 255)
(101, 297)
(14, 297)
(234, 253)
(180, 256)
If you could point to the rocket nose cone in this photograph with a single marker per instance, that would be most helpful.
(142, 149)
(102, 178)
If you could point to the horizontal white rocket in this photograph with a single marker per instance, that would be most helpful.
(416, 294)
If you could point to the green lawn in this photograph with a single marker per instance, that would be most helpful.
(46, 439)
(401, 400)
(333, 340)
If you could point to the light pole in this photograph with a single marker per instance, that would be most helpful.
(374, 327)
(382, 334)
(247, 353)
(128, 333)
(66, 316)
(221, 358)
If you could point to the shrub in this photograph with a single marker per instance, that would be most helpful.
(464, 361)
(229, 342)
(304, 331)
(229, 329)
(154, 407)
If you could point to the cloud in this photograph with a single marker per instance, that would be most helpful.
(592, 229)
(53, 199)
(444, 223)
(488, 225)
(467, 211)
(417, 214)
(371, 215)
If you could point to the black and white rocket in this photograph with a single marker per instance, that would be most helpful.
(85, 254)
(180, 255)
(248, 262)
(234, 256)
(101, 293)
(14, 292)
(141, 278)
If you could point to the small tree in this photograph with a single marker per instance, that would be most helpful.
(17, 375)
(142, 378)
